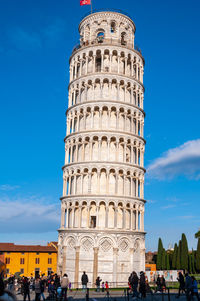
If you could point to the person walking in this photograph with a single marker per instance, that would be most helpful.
(142, 288)
(134, 280)
(37, 289)
(181, 284)
(188, 286)
(163, 283)
(102, 287)
(64, 286)
(42, 288)
(26, 288)
(84, 280)
(158, 283)
(98, 281)
(11, 281)
(195, 288)
(107, 288)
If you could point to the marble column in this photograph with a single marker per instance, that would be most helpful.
(95, 266)
(77, 258)
(115, 259)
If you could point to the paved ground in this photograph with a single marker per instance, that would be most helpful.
(114, 295)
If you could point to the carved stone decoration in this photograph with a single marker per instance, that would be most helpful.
(87, 244)
(71, 243)
(124, 245)
(105, 245)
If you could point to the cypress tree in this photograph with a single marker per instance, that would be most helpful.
(198, 256)
(167, 262)
(184, 252)
(164, 260)
(197, 235)
(190, 263)
(174, 257)
(193, 262)
(170, 259)
(159, 255)
(178, 259)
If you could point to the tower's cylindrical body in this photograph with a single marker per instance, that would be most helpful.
(102, 211)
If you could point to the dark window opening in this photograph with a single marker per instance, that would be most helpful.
(93, 222)
(100, 37)
(123, 38)
(98, 64)
(37, 260)
(113, 27)
(21, 260)
(7, 260)
(49, 260)
(37, 272)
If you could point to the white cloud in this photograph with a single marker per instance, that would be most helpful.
(23, 39)
(7, 187)
(55, 29)
(187, 217)
(151, 201)
(168, 206)
(31, 215)
(182, 160)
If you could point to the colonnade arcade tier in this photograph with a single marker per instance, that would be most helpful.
(103, 172)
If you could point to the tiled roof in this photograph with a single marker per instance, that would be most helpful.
(11, 247)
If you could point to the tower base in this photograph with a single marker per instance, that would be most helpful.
(111, 255)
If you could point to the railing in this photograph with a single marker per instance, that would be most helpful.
(100, 41)
(78, 285)
(107, 10)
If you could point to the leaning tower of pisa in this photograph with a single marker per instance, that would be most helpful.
(102, 207)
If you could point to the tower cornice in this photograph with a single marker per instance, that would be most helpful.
(103, 132)
(106, 102)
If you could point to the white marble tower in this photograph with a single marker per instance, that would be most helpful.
(102, 210)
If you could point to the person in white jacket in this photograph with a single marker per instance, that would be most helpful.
(64, 286)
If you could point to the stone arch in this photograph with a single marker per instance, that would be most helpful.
(102, 214)
(94, 181)
(111, 215)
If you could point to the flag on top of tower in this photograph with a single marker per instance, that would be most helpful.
(85, 2)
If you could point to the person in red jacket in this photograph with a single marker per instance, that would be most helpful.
(107, 287)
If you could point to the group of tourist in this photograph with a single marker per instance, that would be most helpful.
(53, 284)
(188, 285)
(138, 286)
(57, 287)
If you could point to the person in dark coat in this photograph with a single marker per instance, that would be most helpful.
(158, 284)
(163, 283)
(134, 280)
(195, 288)
(84, 280)
(98, 281)
(181, 284)
(26, 288)
(142, 288)
(42, 288)
(188, 286)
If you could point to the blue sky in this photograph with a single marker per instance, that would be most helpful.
(36, 40)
